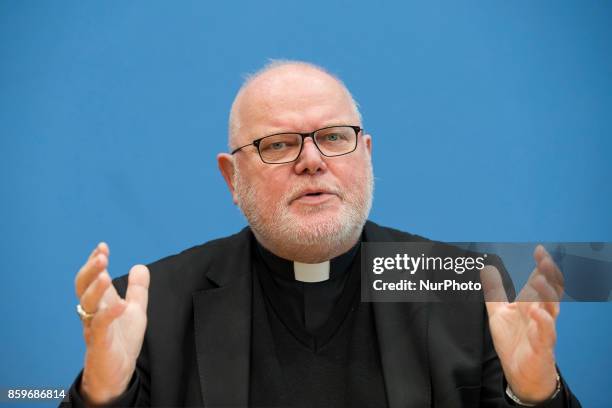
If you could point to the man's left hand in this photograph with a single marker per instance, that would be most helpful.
(523, 331)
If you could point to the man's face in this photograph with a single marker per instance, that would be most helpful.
(317, 203)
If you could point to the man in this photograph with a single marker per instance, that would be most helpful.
(271, 316)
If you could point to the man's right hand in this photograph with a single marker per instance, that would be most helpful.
(115, 333)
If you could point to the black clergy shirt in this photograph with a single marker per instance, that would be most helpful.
(313, 344)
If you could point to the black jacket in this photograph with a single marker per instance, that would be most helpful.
(196, 350)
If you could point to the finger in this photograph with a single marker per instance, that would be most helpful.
(548, 296)
(528, 293)
(539, 253)
(553, 308)
(103, 318)
(93, 294)
(102, 247)
(548, 268)
(538, 293)
(541, 330)
(544, 290)
(138, 286)
(89, 272)
(528, 297)
(493, 289)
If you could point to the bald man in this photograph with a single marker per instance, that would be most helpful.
(271, 316)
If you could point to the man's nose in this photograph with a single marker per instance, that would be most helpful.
(310, 160)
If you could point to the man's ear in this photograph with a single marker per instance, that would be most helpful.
(367, 139)
(225, 162)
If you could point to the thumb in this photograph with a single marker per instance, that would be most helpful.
(493, 289)
(138, 286)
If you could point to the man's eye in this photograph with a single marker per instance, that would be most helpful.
(332, 137)
(278, 145)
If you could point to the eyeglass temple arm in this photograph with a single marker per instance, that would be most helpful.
(254, 143)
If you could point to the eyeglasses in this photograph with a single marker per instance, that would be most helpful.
(286, 147)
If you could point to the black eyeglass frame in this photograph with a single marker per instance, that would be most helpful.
(256, 142)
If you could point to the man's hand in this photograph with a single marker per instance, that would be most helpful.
(115, 333)
(524, 332)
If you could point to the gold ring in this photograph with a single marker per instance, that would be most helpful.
(83, 314)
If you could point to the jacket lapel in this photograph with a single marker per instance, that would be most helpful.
(222, 318)
(402, 337)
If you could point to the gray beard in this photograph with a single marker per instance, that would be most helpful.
(306, 239)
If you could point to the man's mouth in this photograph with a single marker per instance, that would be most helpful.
(314, 197)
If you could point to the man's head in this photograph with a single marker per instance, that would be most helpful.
(314, 208)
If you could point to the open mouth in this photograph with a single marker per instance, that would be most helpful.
(314, 197)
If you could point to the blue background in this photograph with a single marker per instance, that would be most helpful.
(492, 120)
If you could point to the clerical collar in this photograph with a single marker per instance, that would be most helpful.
(308, 273)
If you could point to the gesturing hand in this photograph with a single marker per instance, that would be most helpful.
(523, 331)
(115, 333)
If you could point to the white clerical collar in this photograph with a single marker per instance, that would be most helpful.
(310, 273)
